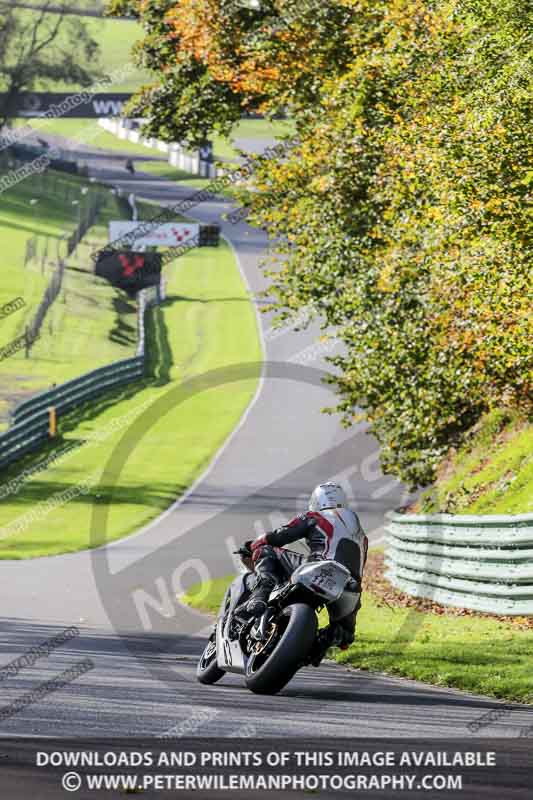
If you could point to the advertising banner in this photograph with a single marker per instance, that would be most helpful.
(54, 105)
(168, 234)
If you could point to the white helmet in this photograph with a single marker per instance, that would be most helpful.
(328, 495)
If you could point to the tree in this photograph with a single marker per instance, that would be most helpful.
(214, 60)
(402, 216)
(42, 47)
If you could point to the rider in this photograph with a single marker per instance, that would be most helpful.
(331, 531)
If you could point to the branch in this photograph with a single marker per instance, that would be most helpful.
(52, 36)
(35, 48)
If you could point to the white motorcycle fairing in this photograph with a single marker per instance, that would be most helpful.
(229, 653)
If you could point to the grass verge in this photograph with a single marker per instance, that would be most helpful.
(492, 473)
(206, 322)
(474, 653)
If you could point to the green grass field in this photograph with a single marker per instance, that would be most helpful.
(91, 323)
(162, 169)
(253, 129)
(475, 654)
(84, 5)
(87, 132)
(206, 322)
(492, 473)
(115, 38)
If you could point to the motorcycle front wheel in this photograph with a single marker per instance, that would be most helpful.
(274, 662)
(208, 671)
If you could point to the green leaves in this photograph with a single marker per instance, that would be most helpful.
(402, 216)
(408, 230)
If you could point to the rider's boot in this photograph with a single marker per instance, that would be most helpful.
(332, 636)
(256, 605)
(346, 627)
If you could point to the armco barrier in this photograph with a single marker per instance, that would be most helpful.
(29, 420)
(481, 563)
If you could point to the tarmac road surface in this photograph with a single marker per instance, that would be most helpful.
(143, 654)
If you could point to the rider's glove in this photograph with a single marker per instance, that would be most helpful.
(257, 546)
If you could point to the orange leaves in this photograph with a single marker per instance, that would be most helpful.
(262, 62)
(217, 40)
(190, 22)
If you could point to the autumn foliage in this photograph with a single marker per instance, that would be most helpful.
(403, 214)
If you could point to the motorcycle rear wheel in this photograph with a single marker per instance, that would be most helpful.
(208, 671)
(268, 673)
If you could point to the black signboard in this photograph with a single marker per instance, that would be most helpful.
(129, 270)
(209, 236)
(53, 105)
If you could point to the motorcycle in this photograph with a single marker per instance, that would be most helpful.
(270, 649)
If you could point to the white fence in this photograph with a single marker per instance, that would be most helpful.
(178, 156)
(480, 563)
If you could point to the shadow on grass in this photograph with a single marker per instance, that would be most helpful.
(173, 298)
(156, 495)
(159, 358)
(92, 409)
(55, 211)
(123, 332)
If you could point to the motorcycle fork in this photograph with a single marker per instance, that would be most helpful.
(264, 627)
